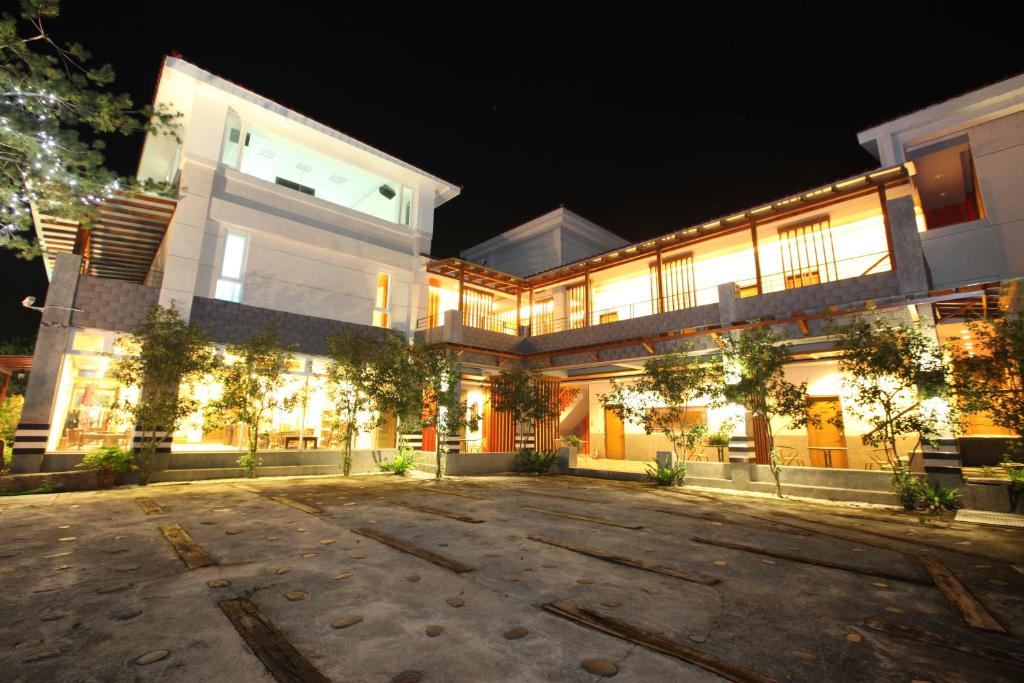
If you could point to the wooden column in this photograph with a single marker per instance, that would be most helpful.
(888, 229)
(3, 386)
(83, 247)
(462, 280)
(757, 256)
(657, 288)
(530, 315)
(519, 312)
(586, 297)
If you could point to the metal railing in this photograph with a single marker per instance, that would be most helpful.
(826, 271)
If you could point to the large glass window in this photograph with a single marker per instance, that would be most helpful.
(808, 256)
(266, 155)
(85, 410)
(232, 268)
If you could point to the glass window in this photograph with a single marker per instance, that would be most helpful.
(84, 341)
(85, 413)
(382, 301)
(272, 158)
(232, 268)
(808, 256)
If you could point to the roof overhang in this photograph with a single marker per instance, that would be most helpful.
(122, 242)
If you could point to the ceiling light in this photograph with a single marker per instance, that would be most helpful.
(305, 168)
(938, 175)
(942, 194)
(268, 153)
(337, 179)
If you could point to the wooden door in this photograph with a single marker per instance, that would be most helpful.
(760, 440)
(614, 436)
(386, 434)
(826, 434)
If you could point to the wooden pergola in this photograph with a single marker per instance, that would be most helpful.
(10, 365)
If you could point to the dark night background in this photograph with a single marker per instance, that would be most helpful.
(640, 117)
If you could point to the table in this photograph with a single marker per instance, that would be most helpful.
(306, 440)
(827, 452)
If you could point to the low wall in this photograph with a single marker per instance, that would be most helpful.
(468, 464)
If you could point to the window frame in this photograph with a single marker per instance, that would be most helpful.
(385, 310)
(240, 280)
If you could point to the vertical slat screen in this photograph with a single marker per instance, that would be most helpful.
(545, 432)
(576, 303)
(477, 308)
(808, 255)
(678, 284)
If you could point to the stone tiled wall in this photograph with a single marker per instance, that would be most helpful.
(229, 323)
(112, 304)
(645, 326)
(816, 297)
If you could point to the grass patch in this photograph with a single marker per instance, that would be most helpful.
(29, 492)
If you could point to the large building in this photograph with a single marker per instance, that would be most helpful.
(283, 221)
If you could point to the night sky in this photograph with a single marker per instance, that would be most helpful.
(641, 118)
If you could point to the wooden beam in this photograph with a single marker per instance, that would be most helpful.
(654, 642)
(888, 226)
(279, 656)
(149, 506)
(658, 284)
(462, 278)
(190, 552)
(820, 562)
(413, 549)
(582, 518)
(801, 322)
(996, 652)
(757, 256)
(305, 507)
(587, 302)
(635, 562)
(650, 349)
(438, 511)
(973, 612)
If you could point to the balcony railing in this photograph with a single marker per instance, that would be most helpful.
(830, 271)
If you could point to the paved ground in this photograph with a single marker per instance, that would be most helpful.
(91, 584)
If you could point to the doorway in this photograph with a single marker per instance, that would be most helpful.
(614, 435)
(826, 441)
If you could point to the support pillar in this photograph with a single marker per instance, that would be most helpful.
(34, 426)
(742, 457)
(907, 252)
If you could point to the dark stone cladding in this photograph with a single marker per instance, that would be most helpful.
(229, 323)
(109, 304)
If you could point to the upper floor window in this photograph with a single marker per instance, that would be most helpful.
(576, 304)
(947, 184)
(382, 301)
(678, 283)
(544, 317)
(232, 267)
(266, 155)
(808, 256)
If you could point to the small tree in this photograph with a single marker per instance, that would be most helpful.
(252, 377)
(890, 371)
(755, 375)
(990, 377)
(522, 393)
(399, 386)
(440, 371)
(160, 355)
(353, 385)
(675, 381)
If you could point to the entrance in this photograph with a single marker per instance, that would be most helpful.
(826, 442)
(614, 436)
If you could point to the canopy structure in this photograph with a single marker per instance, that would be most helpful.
(121, 244)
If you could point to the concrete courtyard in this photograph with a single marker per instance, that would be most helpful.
(94, 590)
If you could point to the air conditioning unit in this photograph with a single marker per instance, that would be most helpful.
(387, 191)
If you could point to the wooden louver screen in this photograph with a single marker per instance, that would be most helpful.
(476, 309)
(544, 317)
(576, 303)
(678, 284)
(808, 256)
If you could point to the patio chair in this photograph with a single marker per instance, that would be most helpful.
(877, 459)
(789, 457)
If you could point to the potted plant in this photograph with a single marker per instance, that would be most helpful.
(109, 461)
(720, 439)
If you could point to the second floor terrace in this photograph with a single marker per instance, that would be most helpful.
(817, 243)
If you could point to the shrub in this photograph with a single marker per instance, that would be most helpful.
(914, 493)
(535, 462)
(10, 413)
(667, 475)
(111, 458)
(249, 461)
(573, 441)
(403, 462)
(936, 498)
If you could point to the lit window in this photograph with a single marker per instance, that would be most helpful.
(229, 284)
(576, 302)
(808, 256)
(232, 140)
(92, 343)
(405, 208)
(947, 184)
(544, 317)
(382, 302)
